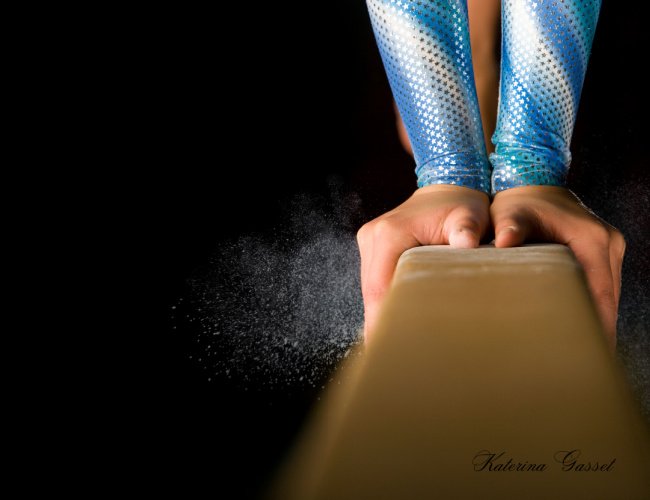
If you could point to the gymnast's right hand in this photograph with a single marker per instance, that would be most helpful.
(439, 214)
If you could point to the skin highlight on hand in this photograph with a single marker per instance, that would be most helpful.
(433, 215)
(555, 215)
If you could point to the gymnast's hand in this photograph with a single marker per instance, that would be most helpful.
(434, 215)
(555, 214)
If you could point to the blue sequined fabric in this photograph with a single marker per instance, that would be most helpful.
(426, 52)
(545, 50)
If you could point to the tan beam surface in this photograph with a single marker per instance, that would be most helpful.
(488, 377)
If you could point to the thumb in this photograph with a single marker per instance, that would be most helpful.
(511, 231)
(464, 231)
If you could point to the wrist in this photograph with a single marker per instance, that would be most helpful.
(452, 189)
(556, 194)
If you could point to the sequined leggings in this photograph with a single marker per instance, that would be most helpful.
(424, 45)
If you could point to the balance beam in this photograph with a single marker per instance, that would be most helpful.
(488, 377)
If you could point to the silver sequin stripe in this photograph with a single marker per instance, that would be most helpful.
(425, 48)
(545, 50)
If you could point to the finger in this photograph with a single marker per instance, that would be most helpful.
(464, 229)
(365, 244)
(616, 254)
(595, 261)
(365, 252)
(387, 244)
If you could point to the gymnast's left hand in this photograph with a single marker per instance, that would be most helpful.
(555, 215)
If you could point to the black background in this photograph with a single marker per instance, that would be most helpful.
(296, 94)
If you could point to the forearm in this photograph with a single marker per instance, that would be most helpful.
(426, 52)
(545, 50)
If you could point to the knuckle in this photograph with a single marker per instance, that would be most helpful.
(384, 228)
(378, 229)
(605, 301)
(599, 234)
(470, 221)
(363, 232)
(604, 294)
